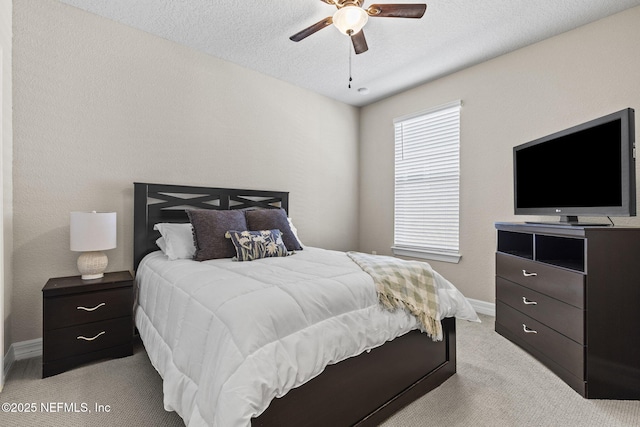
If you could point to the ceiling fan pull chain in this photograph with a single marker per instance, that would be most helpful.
(350, 78)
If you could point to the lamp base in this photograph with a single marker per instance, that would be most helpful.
(92, 265)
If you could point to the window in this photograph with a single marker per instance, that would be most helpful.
(427, 184)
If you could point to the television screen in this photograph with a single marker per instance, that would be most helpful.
(587, 170)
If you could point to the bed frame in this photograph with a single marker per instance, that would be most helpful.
(362, 390)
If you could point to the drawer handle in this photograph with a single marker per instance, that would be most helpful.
(525, 273)
(528, 302)
(90, 339)
(527, 330)
(91, 309)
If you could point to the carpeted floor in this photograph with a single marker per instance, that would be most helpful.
(497, 384)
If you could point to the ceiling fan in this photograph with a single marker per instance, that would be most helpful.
(351, 17)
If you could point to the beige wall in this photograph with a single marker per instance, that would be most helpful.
(98, 105)
(535, 91)
(6, 139)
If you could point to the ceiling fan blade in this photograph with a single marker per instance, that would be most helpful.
(397, 10)
(312, 29)
(359, 42)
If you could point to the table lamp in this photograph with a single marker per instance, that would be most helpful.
(92, 233)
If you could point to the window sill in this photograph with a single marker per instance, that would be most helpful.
(426, 254)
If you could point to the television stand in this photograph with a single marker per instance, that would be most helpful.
(569, 221)
(569, 224)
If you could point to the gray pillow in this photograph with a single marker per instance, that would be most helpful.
(269, 219)
(209, 228)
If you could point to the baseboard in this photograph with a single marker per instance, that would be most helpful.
(483, 307)
(21, 350)
(9, 358)
(27, 349)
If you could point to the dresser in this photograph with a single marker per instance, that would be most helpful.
(570, 297)
(86, 320)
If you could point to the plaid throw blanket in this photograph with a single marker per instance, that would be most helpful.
(407, 284)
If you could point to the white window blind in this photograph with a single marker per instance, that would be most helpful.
(427, 184)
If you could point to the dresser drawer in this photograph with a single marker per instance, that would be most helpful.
(77, 309)
(566, 353)
(561, 284)
(564, 318)
(75, 340)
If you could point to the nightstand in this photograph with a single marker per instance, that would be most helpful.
(85, 320)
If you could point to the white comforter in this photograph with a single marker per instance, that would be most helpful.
(227, 337)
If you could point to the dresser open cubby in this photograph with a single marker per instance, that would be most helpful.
(570, 297)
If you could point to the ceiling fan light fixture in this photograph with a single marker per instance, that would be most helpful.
(350, 19)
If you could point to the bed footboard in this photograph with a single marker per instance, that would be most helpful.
(367, 389)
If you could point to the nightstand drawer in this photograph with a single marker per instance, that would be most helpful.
(564, 318)
(561, 284)
(532, 334)
(74, 340)
(77, 309)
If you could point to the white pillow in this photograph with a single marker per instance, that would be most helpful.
(162, 244)
(176, 241)
(294, 230)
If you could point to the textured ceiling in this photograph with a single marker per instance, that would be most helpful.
(403, 53)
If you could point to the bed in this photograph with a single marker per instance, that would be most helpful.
(363, 383)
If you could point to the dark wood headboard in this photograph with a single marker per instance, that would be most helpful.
(155, 203)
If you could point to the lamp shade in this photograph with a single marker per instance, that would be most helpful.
(92, 231)
(350, 19)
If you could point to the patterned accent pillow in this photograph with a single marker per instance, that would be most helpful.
(252, 245)
(270, 219)
(209, 227)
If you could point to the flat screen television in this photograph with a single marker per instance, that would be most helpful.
(586, 170)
